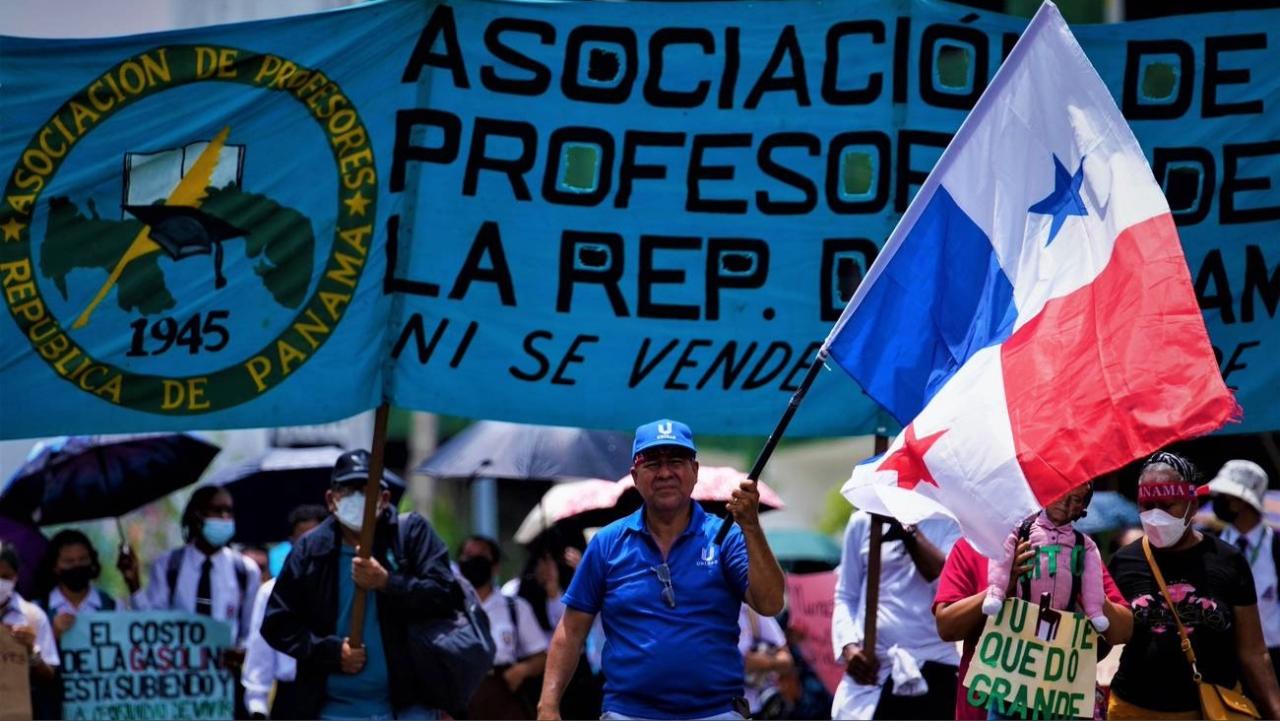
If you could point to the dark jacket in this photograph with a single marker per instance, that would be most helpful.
(302, 612)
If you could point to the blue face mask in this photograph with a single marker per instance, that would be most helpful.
(218, 531)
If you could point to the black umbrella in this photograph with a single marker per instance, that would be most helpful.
(513, 451)
(81, 478)
(267, 488)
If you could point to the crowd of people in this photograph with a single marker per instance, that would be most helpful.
(1172, 581)
(662, 616)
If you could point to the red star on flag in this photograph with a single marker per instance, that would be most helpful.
(908, 460)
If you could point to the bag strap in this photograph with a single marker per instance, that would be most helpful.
(173, 564)
(244, 606)
(1182, 631)
(1077, 570)
(515, 621)
(242, 573)
(396, 555)
(399, 551)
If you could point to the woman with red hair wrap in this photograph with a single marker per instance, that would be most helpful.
(1212, 593)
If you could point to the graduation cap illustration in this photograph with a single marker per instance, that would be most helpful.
(184, 231)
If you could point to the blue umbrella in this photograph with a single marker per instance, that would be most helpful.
(1109, 511)
(268, 487)
(81, 478)
(803, 551)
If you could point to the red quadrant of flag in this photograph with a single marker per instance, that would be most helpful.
(1115, 370)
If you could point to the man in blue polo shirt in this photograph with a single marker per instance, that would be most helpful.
(668, 595)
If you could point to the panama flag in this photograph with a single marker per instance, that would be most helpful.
(1031, 320)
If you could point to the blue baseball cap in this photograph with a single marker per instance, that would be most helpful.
(665, 432)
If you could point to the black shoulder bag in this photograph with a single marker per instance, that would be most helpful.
(452, 655)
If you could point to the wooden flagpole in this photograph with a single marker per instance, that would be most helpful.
(372, 490)
(873, 568)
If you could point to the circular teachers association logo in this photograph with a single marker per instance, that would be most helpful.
(182, 206)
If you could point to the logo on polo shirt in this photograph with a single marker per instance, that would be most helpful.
(708, 556)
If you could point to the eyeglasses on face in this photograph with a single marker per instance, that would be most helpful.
(677, 465)
(668, 591)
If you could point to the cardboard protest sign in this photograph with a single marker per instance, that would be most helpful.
(1035, 666)
(154, 665)
(812, 600)
(15, 680)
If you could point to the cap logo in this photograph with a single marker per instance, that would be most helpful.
(666, 431)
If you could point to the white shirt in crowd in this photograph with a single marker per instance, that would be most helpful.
(59, 604)
(20, 612)
(263, 665)
(228, 602)
(594, 647)
(1258, 554)
(514, 637)
(905, 614)
(751, 634)
(555, 607)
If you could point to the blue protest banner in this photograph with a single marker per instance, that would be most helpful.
(146, 665)
(189, 223)
(575, 213)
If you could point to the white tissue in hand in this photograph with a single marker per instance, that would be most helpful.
(907, 680)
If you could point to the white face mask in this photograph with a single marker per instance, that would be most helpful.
(1163, 529)
(351, 511)
(6, 589)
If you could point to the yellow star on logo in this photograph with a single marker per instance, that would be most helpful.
(12, 229)
(357, 203)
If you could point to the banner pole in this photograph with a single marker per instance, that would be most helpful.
(372, 489)
(776, 435)
(873, 568)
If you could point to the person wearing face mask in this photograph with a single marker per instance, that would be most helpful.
(30, 627)
(1213, 594)
(1237, 493)
(206, 576)
(406, 578)
(520, 648)
(67, 575)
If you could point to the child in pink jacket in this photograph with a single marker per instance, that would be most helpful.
(1061, 553)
